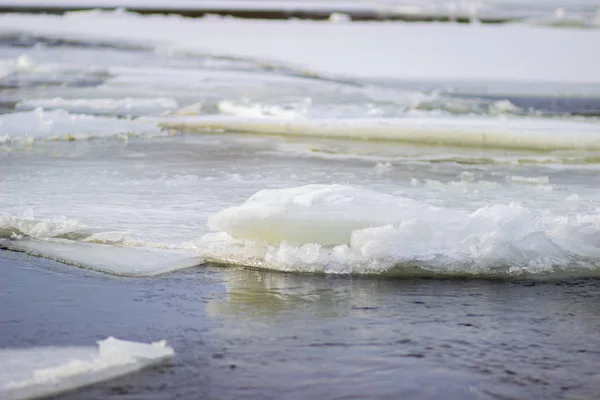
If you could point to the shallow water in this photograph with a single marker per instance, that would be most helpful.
(279, 224)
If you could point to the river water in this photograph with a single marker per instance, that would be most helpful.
(293, 221)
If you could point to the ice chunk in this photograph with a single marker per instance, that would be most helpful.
(322, 214)
(46, 371)
(115, 260)
(247, 108)
(533, 180)
(27, 225)
(343, 229)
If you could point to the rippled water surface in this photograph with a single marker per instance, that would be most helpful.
(256, 334)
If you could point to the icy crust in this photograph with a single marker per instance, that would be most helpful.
(127, 105)
(39, 125)
(390, 105)
(27, 225)
(344, 229)
(46, 371)
(118, 260)
(477, 131)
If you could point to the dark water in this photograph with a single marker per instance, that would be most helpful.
(258, 335)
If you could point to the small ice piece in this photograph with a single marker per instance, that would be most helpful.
(247, 108)
(46, 371)
(382, 167)
(503, 107)
(190, 109)
(531, 180)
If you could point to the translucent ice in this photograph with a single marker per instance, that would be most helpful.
(46, 371)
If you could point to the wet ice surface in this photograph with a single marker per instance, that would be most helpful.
(158, 194)
(256, 334)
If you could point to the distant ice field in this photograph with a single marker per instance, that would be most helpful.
(139, 145)
(378, 50)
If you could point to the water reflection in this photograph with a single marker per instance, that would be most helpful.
(515, 339)
(268, 294)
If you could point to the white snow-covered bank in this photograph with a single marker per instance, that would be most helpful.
(359, 49)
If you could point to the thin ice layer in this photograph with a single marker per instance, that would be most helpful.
(127, 105)
(114, 260)
(343, 229)
(70, 242)
(26, 224)
(365, 50)
(46, 371)
(40, 124)
(524, 133)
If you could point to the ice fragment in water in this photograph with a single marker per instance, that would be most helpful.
(46, 371)
(344, 229)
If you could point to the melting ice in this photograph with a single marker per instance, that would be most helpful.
(334, 228)
(44, 371)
